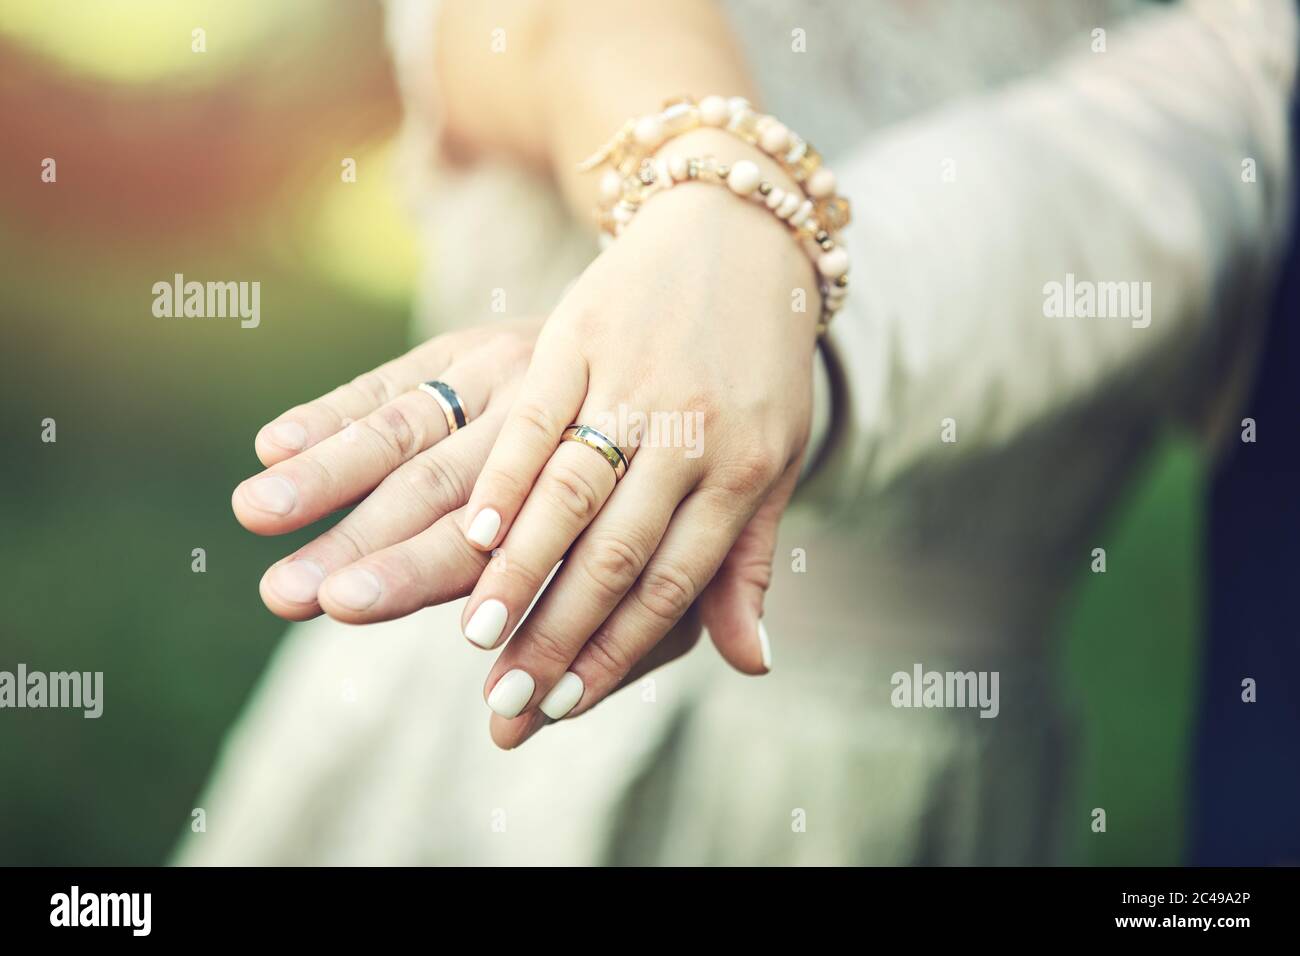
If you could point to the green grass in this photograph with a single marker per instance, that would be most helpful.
(1131, 652)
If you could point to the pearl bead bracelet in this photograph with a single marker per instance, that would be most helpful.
(816, 214)
(640, 137)
(744, 179)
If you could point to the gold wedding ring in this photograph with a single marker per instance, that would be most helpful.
(452, 407)
(599, 442)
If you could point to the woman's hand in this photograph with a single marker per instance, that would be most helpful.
(687, 318)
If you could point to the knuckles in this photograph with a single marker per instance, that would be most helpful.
(666, 591)
(396, 429)
(572, 492)
(549, 648)
(614, 565)
(748, 472)
(604, 652)
(434, 481)
(376, 385)
(537, 421)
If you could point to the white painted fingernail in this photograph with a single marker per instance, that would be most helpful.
(765, 646)
(512, 693)
(484, 527)
(563, 696)
(485, 626)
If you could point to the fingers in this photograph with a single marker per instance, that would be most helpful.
(731, 607)
(435, 566)
(508, 733)
(693, 547)
(430, 486)
(304, 426)
(598, 572)
(343, 467)
(547, 403)
(571, 489)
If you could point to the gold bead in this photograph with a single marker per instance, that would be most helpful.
(833, 213)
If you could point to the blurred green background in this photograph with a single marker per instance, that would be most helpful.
(225, 165)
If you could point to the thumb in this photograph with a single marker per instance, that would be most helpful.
(732, 605)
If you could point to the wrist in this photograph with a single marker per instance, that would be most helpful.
(750, 276)
(725, 143)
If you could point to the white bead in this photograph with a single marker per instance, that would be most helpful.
(803, 212)
(775, 197)
(737, 104)
(680, 117)
(649, 131)
(743, 178)
(833, 264)
(774, 139)
(714, 111)
(611, 187)
(788, 205)
(821, 184)
(663, 175)
(677, 167)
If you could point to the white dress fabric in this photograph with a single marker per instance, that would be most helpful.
(989, 149)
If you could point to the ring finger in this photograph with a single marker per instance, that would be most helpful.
(350, 463)
(573, 486)
(597, 573)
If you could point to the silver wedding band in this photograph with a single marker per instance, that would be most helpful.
(601, 443)
(452, 407)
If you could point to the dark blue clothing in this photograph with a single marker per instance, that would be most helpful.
(1245, 807)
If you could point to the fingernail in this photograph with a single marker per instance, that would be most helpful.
(485, 626)
(563, 696)
(512, 693)
(297, 582)
(356, 589)
(271, 493)
(288, 435)
(484, 527)
(765, 646)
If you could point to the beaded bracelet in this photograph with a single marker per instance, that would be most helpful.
(816, 216)
(745, 180)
